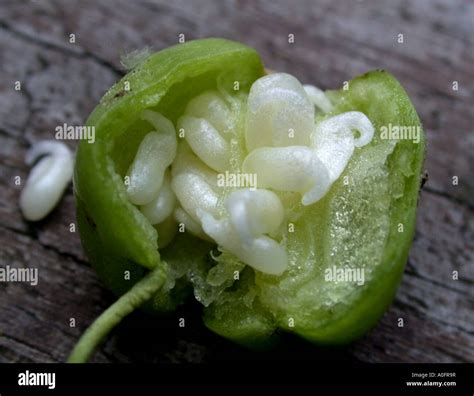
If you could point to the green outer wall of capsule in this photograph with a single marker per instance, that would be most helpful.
(370, 94)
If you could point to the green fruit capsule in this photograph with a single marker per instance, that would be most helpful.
(278, 206)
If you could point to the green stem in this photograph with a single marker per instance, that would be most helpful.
(136, 296)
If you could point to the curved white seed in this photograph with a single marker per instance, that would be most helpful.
(194, 194)
(254, 212)
(334, 148)
(155, 153)
(187, 161)
(210, 106)
(47, 180)
(294, 168)
(206, 142)
(166, 129)
(318, 97)
(262, 253)
(267, 255)
(279, 113)
(190, 225)
(162, 206)
(334, 142)
(353, 121)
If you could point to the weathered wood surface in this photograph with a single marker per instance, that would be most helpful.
(334, 41)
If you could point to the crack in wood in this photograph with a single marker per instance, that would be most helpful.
(34, 236)
(64, 50)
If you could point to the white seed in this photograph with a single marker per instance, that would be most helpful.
(334, 142)
(186, 161)
(318, 97)
(206, 142)
(334, 147)
(162, 206)
(210, 106)
(194, 194)
(279, 113)
(155, 153)
(263, 253)
(47, 180)
(267, 255)
(254, 212)
(293, 168)
(353, 121)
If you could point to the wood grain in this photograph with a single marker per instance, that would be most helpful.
(334, 41)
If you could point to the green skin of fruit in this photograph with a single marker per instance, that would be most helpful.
(117, 237)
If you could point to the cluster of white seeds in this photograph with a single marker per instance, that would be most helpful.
(285, 149)
(171, 181)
